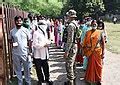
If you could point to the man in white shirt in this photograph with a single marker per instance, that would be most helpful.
(41, 56)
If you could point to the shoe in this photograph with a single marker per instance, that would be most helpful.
(50, 83)
(39, 83)
(99, 83)
(70, 82)
(66, 83)
(27, 83)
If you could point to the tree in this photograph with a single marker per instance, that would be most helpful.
(112, 6)
(43, 8)
(85, 7)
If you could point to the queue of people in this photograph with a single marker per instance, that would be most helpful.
(33, 36)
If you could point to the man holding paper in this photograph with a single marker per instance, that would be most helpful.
(19, 38)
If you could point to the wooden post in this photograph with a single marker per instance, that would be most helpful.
(7, 14)
(3, 49)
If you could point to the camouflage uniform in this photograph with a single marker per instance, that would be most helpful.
(71, 47)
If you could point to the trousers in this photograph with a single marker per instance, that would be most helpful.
(42, 70)
(85, 62)
(70, 65)
(20, 62)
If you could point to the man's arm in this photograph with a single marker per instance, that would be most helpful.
(29, 40)
(70, 37)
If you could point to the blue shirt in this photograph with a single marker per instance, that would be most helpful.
(21, 36)
(84, 29)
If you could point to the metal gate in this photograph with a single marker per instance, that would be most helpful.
(7, 14)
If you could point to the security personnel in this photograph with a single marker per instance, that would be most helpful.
(71, 48)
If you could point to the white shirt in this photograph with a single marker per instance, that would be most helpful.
(20, 36)
(39, 41)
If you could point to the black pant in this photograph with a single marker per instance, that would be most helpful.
(42, 64)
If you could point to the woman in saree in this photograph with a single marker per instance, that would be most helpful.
(93, 47)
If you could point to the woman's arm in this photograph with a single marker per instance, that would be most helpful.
(103, 45)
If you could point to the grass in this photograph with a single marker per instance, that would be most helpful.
(113, 32)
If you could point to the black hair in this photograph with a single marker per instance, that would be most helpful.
(30, 15)
(18, 17)
(82, 21)
(25, 20)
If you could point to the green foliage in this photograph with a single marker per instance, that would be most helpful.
(43, 8)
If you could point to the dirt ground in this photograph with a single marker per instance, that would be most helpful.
(111, 69)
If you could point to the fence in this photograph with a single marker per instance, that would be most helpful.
(7, 14)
